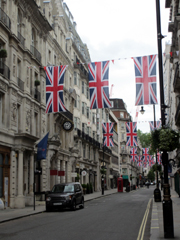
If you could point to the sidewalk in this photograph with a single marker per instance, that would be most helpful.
(11, 214)
(157, 227)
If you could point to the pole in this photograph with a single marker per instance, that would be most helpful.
(34, 186)
(157, 193)
(167, 202)
(102, 177)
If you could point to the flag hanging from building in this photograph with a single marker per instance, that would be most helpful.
(145, 73)
(108, 134)
(54, 88)
(133, 153)
(151, 124)
(139, 161)
(42, 148)
(99, 84)
(131, 134)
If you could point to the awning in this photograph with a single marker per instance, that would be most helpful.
(125, 176)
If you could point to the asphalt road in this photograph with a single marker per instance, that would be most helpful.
(114, 217)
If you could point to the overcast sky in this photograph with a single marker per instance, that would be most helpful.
(118, 30)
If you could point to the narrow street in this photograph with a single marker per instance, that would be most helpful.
(117, 216)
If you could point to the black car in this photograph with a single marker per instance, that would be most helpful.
(65, 195)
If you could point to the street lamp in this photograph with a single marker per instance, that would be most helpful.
(142, 110)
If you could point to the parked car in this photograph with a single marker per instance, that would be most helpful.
(65, 195)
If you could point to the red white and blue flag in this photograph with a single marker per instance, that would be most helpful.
(145, 73)
(145, 155)
(139, 161)
(133, 153)
(151, 124)
(131, 134)
(99, 85)
(108, 134)
(54, 88)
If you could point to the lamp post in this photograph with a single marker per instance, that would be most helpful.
(157, 193)
(167, 202)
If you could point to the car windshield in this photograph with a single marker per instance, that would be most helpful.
(63, 189)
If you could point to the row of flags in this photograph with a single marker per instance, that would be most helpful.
(145, 159)
(98, 75)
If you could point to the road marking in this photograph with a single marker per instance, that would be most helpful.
(154, 227)
(144, 221)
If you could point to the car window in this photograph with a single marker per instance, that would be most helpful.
(78, 187)
(63, 189)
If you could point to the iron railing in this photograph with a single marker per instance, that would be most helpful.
(4, 70)
(36, 53)
(5, 19)
(21, 39)
(20, 84)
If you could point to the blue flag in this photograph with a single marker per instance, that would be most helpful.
(42, 148)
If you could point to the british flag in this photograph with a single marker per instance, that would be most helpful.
(54, 88)
(145, 73)
(145, 154)
(133, 153)
(159, 160)
(108, 134)
(131, 134)
(151, 124)
(99, 85)
(139, 161)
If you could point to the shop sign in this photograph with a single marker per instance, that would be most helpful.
(110, 176)
(74, 174)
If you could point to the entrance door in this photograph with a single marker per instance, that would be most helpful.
(4, 177)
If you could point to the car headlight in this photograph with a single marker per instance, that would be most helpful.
(48, 199)
(68, 197)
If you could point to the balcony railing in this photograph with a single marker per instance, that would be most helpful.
(5, 19)
(36, 53)
(4, 70)
(21, 39)
(20, 84)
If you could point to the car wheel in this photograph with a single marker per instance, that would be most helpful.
(48, 209)
(73, 207)
(82, 203)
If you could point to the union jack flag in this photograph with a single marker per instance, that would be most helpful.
(133, 153)
(145, 154)
(54, 88)
(131, 133)
(159, 160)
(108, 134)
(145, 73)
(151, 124)
(99, 85)
(139, 161)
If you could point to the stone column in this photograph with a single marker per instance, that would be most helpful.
(63, 169)
(20, 200)
(58, 168)
(31, 180)
(12, 179)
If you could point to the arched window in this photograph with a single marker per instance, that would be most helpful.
(1, 175)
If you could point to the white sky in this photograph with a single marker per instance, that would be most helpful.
(120, 29)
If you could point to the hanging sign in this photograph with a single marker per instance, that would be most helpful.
(83, 173)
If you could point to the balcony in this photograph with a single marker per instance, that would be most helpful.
(176, 83)
(21, 39)
(5, 19)
(4, 70)
(177, 116)
(20, 84)
(36, 53)
(36, 94)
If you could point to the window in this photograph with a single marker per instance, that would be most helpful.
(75, 103)
(83, 108)
(83, 127)
(35, 124)
(87, 112)
(78, 102)
(75, 78)
(112, 104)
(94, 134)
(19, 20)
(122, 136)
(33, 38)
(122, 125)
(49, 56)
(88, 131)
(87, 92)
(94, 118)
(1, 108)
(82, 87)
(84, 150)
(1, 175)
(75, 122)
(55, 60)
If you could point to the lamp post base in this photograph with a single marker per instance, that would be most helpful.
(157, 195)
(168, 219)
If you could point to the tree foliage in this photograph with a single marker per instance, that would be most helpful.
(151, 175)
(144, 138)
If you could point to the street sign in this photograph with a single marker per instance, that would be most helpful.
(83, 173)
